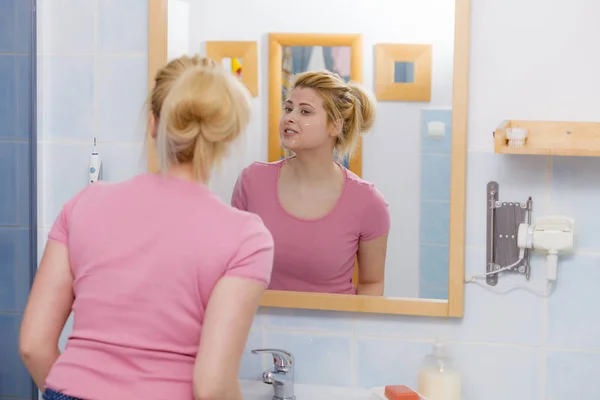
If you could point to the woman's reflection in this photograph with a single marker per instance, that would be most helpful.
(322, 216)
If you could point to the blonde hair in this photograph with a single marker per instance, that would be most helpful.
(201, 108)
(343, 101)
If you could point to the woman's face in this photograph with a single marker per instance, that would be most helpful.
(304, 123)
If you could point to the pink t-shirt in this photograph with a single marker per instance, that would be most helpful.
(145, 256)
(313, 255)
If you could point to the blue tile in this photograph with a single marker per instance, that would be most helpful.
(435, 222)
(8, 25)
(385, 361)
(14, 379)
(572, 375)
(122, 26)
(24, 183)
(8, 96)
(570, 321)
(122, 91)
(24, 98)
(443, 145)
(9, 262)
(435, 176)
(433, 266)
(426, 292)
(24, 26)
(320, 359)
(69, 26)
(481, 364)
(309, 320)
(509, 314)
(8, 183)
(252, 365)
(68, 97)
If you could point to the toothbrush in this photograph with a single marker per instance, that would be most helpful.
(95, 165)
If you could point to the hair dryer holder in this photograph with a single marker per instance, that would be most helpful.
(503, 219)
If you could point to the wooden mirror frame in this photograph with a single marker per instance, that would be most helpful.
(453, 307)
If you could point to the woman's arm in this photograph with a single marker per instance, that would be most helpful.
(371, 266)
(47, 310)
(231, 309)
(229, 314)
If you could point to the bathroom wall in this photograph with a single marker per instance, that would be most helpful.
(17, 187)
(92, 82)
(515, 346)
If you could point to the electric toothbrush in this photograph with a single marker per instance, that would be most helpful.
(95, 165)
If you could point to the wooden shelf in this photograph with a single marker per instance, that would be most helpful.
(553, 138)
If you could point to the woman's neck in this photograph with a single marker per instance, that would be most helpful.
(182, 171)
(313, 168)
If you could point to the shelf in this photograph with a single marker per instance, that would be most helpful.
(553, 138)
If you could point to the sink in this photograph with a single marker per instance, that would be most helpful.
(257, 390)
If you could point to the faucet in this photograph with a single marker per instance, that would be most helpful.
(282, 374)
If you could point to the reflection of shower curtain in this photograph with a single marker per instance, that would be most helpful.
(286, 78)
(341, 56)
(286, 70)
(301, 55)
(316, 61)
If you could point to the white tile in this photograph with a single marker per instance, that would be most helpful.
(575, 194)
(122, 90)
(571, 321)
(42, 238)
(572, 375)
(65, 174)
(68, 97)
(67, 26)
(320, 359)
(122, 26)
(518, 177)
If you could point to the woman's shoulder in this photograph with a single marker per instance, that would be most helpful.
(362, 189)
(262, 167)
(259, 172)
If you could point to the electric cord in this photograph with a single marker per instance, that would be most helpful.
(551, 285)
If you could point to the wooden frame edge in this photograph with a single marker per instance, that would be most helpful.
(157, 57)
(246, 50)
(458, 168)
(276, 42)
(360, 304)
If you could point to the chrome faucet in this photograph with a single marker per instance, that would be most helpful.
(282, 374)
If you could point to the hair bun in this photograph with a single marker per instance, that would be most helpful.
(367, 103)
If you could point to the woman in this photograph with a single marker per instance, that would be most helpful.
(148, 265)
(322, 216)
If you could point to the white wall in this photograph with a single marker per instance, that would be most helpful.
(529, 59)
(391, 152)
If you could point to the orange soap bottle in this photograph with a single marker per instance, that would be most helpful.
(400, 392)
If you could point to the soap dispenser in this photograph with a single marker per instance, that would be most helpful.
(438, 378)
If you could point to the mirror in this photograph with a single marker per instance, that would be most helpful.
(417, 65)
(234, 65)
(404, 72)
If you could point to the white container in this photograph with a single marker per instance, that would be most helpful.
(438, 379)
